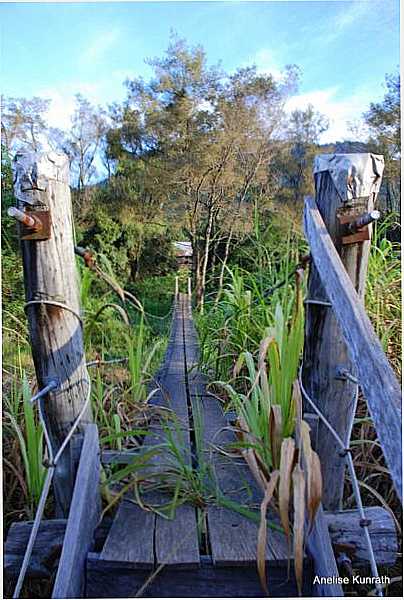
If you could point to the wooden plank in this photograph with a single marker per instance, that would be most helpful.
(121, 580)
(50, 275)
(319, 547)
(325, 350)
(46, 550)
(131, 536)
(115, 457)
(343, 527)
(47, 547)
(144, 538)
(82, 521)
(376, 376)
(345, 530)
(233, 537)
(176, 540)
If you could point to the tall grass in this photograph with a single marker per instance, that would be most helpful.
(24, 425)
(251, 342)
(112, 329)
(383, 290)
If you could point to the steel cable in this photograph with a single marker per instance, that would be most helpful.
(355, 485)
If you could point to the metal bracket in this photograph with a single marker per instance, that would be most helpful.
(41, 230)
(361, 235)
(355, 226)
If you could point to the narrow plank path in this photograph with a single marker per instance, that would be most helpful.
(157, 539)
(140, 541)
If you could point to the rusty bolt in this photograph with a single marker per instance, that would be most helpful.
(28, 221)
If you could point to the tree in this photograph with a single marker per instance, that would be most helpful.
(197, 140)
(384, 121)
(84, 140)
(303, 131)
(23, 124)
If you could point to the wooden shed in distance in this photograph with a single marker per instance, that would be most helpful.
(183, 253)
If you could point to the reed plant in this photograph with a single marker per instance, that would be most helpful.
(25, 426)
(383, 290)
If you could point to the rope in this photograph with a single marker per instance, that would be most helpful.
(57, 304)
(364, 522)
(94, 363)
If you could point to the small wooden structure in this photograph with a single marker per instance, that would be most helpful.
(183, 253)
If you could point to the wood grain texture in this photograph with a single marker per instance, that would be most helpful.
(319, 548)
(84, 515)
(131, 536)
(325, 349)
(344, 529)
(376, 376)
(55, 333)
(121, 580)
(232, 537)
(176, 540)
(46, 551)
(145, 538)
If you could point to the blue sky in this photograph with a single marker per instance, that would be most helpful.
(343, 47)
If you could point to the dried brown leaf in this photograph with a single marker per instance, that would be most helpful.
(262, 532)
(298, 523)
(305, 450)
(315, 487)
(264, 345)
(249, 455)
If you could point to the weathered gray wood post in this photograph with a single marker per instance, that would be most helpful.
(346, 188)
(189, 287)
(52, 295)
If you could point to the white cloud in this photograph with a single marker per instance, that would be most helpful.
(103, 92)
(99, 45)
(350, 14)
(341, 112)
(266, 63)
(63, 101)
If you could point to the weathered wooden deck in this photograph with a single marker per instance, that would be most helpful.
(140, 541)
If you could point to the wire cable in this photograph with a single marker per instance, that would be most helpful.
(364, 522)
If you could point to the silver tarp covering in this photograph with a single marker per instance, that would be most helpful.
(354, 175)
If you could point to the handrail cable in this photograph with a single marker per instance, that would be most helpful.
(52, 461)
(346, 453)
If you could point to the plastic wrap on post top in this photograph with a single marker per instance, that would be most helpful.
(33, 170)
(354, 175)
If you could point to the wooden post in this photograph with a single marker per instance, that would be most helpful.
(189, 287)
(176, 287)
(375, 374)
(52, 294)
(346, 187)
